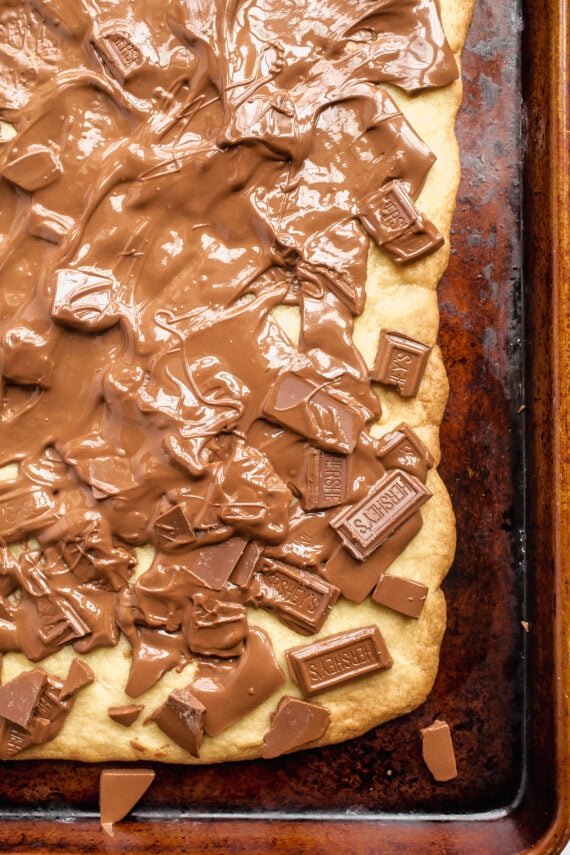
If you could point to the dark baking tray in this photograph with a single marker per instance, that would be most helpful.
(505, 340)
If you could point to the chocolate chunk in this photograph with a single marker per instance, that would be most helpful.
(20, 697)
(242, 574)
(84, 300)
(117, 51)
(230, 690)
(78, 676)
(356, 578)
(119, 792)
(37, 168)
(326, 481)
(437, 750)
(22, 510)
(125, 715)
(294, 724)
(300, 599)
(217, 628)
(173, 529)
(48, 225)
(403, 449)
(338, 658)
(306, 406)
(392, 500)
(214, 564)
(400, 362)
(402, 595)
(391, 218)
(181, 717)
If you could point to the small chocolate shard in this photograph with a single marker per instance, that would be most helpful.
(78, 676)
(294, 724)
(403, 449)
(326, 479)
(125, 715)
(300, 599)
(437, 751)
(37, 168)
(337, 659)
(395, 223)
(401, 595)
(172, 529)
(391, 501)
(20, 697)
(229, 690)
(181, 718)
(217, 628)
(307, 407)
(401, 362)
(119, 792)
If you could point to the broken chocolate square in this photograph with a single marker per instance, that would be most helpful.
(401, 595)
(400, 362)
(181, 717)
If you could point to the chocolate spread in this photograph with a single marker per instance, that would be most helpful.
(174, 178)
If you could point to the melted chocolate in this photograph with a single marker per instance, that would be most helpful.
(173, 179)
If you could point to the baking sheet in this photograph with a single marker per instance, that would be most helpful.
(499, 687)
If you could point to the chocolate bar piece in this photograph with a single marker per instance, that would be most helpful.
(36, 168)
(126, 714)
(78, 676)
(173, 529)
(119, 792)
(308, 408)
(400, 362)
(181, 717)
(295, 723)
(437, 750)
(326, 479)
(391, 218)
(24, 509)
(403, 449)
(392, 500)
(338, 658)
(401, 595)
(300, 599)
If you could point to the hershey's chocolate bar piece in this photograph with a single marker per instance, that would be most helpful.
(117, 51)
(119, 792)
(338, 658)
(391, 218)
(355, 578)
(126, 714)
(402, 595)
(403, 449)
(326, 479)
(295, 723)
(173, 529)
(391, 501)
(217, 628)
(437, 750)
(48, 225)
(24, 509)
(300, 599)
(308, 408)
(400, 362)
(181, 717)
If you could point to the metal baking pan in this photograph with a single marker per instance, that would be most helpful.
(504, 675)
